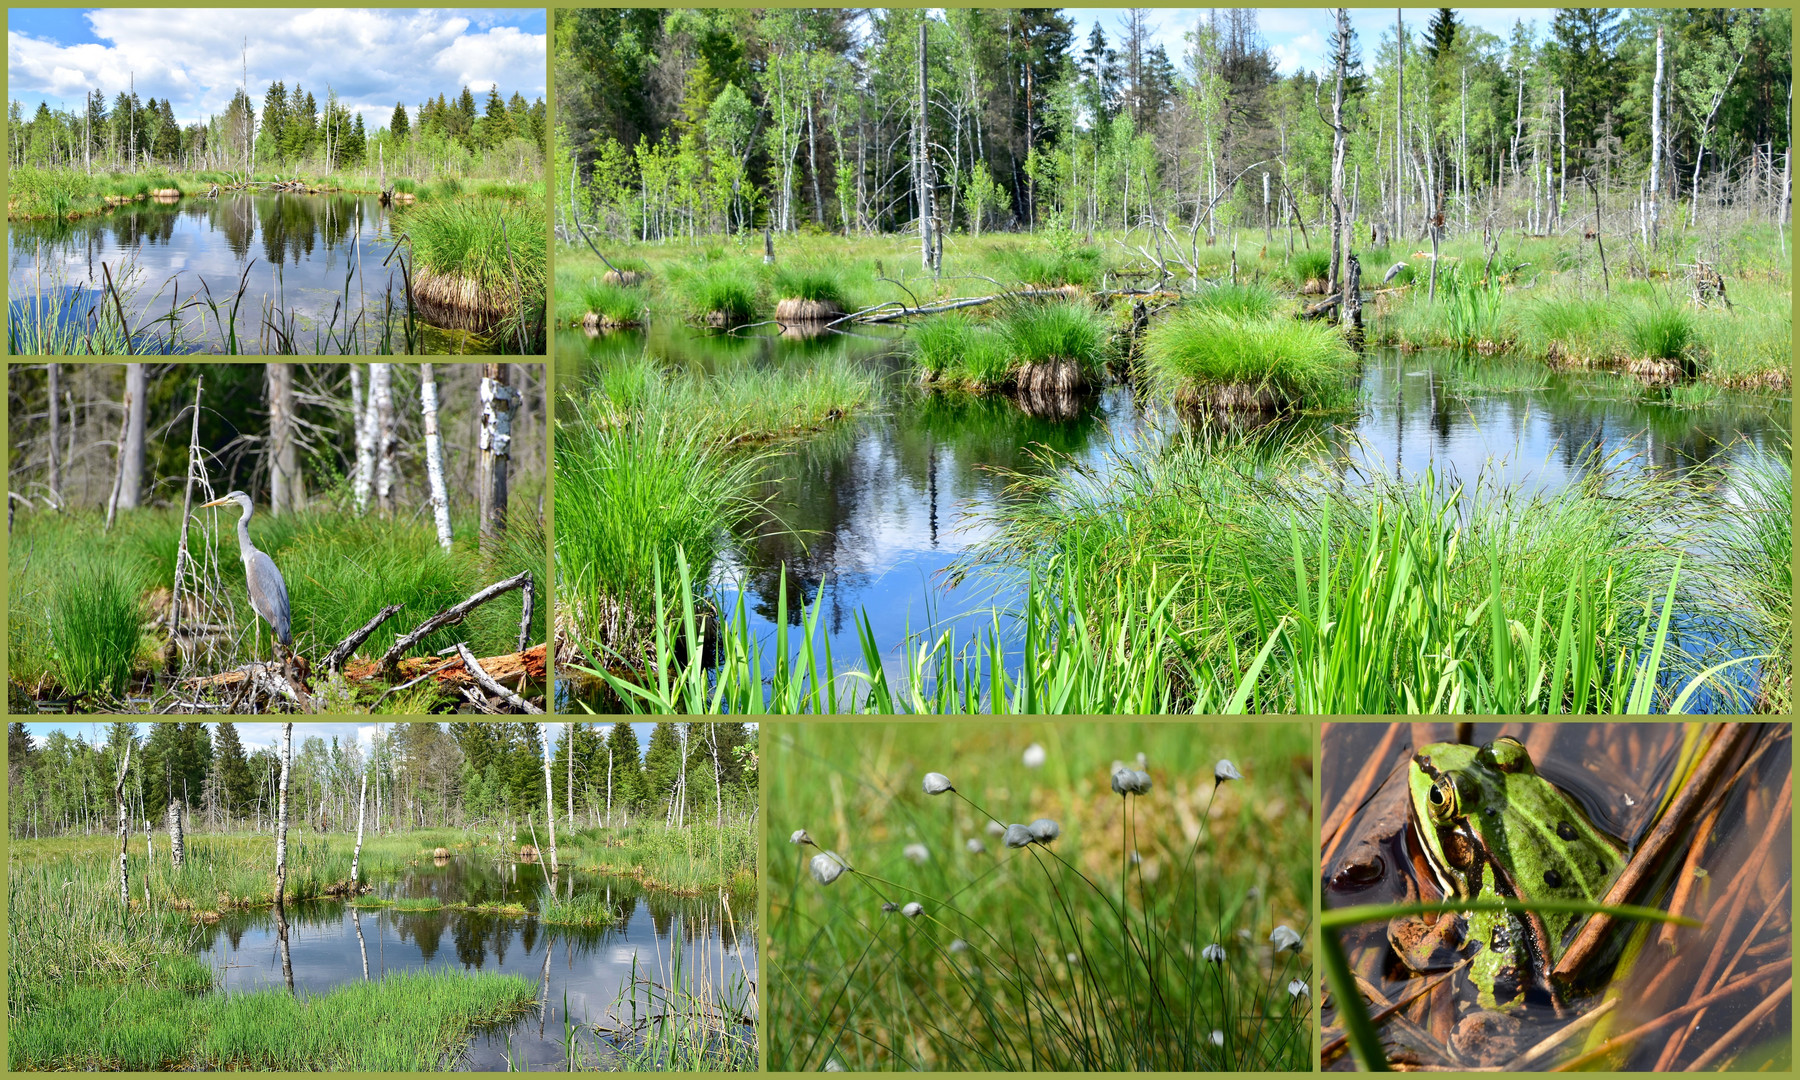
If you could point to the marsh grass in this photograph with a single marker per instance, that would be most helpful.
(1051, 331)
(730, 287)
(1251, 300)
(675, 1020)
(407, 1022)
(815, 283)
(481, 259)
(957, 350)
(1065, 956)
(1307, 265)
(96, 626)
(584, 909)
(1062, 262)
(700, 857)
(617, 305)
(1201, 351)
(1660, 332)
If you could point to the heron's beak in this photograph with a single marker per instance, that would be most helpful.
(215, 502)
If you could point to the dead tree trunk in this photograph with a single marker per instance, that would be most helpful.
(286, 491)
(187, 510)
(1656, 93)
(131, 476)
(497, 400)
(434, 454)
(1341, 61)
(922, 148)
(569, 780)
(124, 827)
(176, 845)
(550, 804)
(363, 417)
(287, 759)
(55, 433)
(381, 402)
(361, 798)
(712, 731)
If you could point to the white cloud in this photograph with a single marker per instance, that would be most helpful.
(372, 58)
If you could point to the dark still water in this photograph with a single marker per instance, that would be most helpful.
(331, 943)
(873, 512)
(311, 269)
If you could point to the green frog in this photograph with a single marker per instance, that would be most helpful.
(1492, 828)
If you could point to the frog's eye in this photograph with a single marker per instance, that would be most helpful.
(1508, 755)
(1442, 799)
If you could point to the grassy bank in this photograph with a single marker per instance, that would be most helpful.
(1053, 345)
(418, 1021)
(80, 598)
(651, 461)
(699, 857)
(1060, 955)
(481, 263)
(68, 193)
(1208, 355)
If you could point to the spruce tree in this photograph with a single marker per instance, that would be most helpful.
(662, 765)
(627, 768)
(236, 786)
(399, 127)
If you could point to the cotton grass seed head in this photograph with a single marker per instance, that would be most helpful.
(889, 907)
(1043, 830)
(1018, 835)
(800, 837)
(1298, 988)
(826, 867)
(1218, 1037)
(833, 1065)
(994, 828)
(918, 853)
(1285, 938)
(975, 846)
(1035, 756)
(1214, 952)
(1225, 770)
(936, 783)
(913, 910)
(959, 945)
(1143, 762)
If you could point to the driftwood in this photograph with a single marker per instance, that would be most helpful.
(344, 649)
(452, 615)
(486, 682)
(450, 672)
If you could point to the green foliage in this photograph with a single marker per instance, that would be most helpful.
(810, 283)
(1312, 264)
(1063, 264)
(1111, 948)
(956, 349)
(95, 621)
(499, 244)
(1051, 331)
(1199, 348)
(617, 305)
(1660, 332)
(730, 287)
(1248, 301)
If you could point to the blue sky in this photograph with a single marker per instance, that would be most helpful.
(256, 735)
(193, 56)
(1297, 35)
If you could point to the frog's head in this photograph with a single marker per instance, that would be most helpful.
(1449, 784)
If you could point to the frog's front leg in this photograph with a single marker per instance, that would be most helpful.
(1423, 946)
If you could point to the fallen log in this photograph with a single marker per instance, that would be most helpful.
(451, 673)
(486, 682)
(452, 615)
(346, 648)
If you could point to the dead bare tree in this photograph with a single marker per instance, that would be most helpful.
(287, 488)
(287, 760)
(124, 829)
(434, 454)
(498, 400)
(550, 803)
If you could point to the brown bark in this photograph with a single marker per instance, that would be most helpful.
(497, 404)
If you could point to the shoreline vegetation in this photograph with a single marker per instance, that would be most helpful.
(1204, 232)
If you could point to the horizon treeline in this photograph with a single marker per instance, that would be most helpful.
(690, 122)
(420, 775)
(292, 128)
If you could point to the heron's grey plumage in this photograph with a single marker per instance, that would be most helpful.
(1393, 271)
(268, 592)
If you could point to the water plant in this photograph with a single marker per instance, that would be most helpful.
(1202, 355)
(1250, 300)
(721, 292)
(480, 264)
(955, 349)
(1069, 947)
(813, 283)
(1659, 332)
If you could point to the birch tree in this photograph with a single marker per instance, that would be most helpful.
(356, 856)
(287, 761)
(550, 799)
(131, 461)
(1703, 83)
(124, 828)
(381, 404)
(434, 454)
(498, 400)
(362, 418)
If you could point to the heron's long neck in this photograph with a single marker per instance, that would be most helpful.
(245, 547)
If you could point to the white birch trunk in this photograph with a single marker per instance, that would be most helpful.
(124, 830)
(365, 439)
(287, 758)
(381, 403)
(1656, 93)
(550, 802)
(434, 454)
(356, 856)
(176, 845)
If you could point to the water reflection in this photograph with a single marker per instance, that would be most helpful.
(328, 943)
(875, 511)
(301, 252)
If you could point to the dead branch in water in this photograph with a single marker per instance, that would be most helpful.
(452, 615)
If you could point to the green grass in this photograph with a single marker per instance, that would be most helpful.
(1308, 265)
(632, 488)
(1198, 351)
(584, 909)
(982, 978)
(1051, 266)
(409, 1022)
(95, 626)
(1758, 547)
(1053, 331)
(1247, 301)
(810, 283)
(731, 287)
(1662, 332)
(496, 244)
(957, 350)
(700, 857)
(617, 305)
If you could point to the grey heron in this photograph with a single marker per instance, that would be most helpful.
(1393, 272)
(268, 592)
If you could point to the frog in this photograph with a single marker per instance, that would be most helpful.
(1490, 827)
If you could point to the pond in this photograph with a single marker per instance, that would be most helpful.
(874, 511)
(331, 943)
(311, 267)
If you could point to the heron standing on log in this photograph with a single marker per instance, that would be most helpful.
(268, 592)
